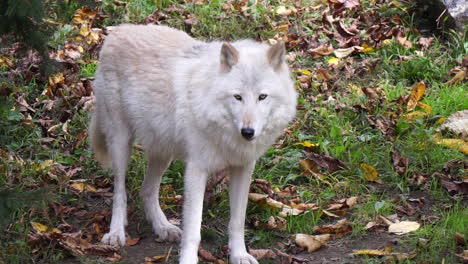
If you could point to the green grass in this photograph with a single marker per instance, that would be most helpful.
(339, 130)
(441, 245)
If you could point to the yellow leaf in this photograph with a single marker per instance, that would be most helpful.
(39, 228)
(460, 76)
(307, 144)
(441, 120)
(56, 79)
(414, 115)
(46, 164)
(333, 61)
(370, 173)
(427, 108)
(416, 94)
(387, 42)
(82, 187)
(453, 143)
(370, 252)
(84, 30)
(303, 71)
(366, 48)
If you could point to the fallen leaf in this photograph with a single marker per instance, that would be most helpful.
(311, 243)
(459, 238)
(82, 187)
(403, 227)
(463, 256)
(340, 228)
(453, 143)
(333, 61)
(416, 94)
(370, 173)
(459, 77)
(366, 48)
(425, 42)
(131, 241)
(322, 50)
(342, 53)
(39, 228)
(325, 161)
(307, 144)
(262, 253)
(206, 255)
(458, 123)
(290, 211)
(400, 163)
(370, 252)
(277, 223)
(308, 166)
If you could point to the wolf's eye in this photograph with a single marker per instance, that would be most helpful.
(238, 97)
(262, 96)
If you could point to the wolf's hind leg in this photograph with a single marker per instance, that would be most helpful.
(150, 194)
(119, 146)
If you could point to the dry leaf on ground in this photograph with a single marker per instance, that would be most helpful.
(458, 123)
(312, 243)
(370, 173)
(325, 161)
(341, 228)
(416, 94)
(403, 227)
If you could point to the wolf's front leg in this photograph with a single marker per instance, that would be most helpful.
(238, 194)
(194, 190)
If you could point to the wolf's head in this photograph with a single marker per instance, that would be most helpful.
(254, 89)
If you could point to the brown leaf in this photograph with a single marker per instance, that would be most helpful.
(386, 125)
(323, 75)
(325, 161)
(371, 93)
(463, 256)
(425, 42)
(400, 163)
(458, 123)
(459, 77)
(459, 238)
(403, 227)
(341, 228)
(311, 243)
(191, 21)
(322, 50)
(206, 255)
(277, 223)
(131, 241)
(262, 253)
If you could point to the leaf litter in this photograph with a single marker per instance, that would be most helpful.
(345, 43)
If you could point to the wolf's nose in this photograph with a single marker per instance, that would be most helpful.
(248, 133)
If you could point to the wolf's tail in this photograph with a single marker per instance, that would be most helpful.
(98, 142)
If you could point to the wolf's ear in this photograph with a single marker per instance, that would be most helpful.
(276, 55)
(229, 57)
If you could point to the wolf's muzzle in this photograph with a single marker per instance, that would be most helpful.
(248, 133)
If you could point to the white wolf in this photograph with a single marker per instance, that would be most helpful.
(214, 105)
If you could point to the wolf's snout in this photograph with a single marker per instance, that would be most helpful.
(248, 133)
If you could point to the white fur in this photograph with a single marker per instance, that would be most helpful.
(168, 90)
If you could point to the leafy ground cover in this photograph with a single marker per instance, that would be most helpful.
(366, 154)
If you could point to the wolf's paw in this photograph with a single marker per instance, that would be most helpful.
(168, 232)
(114, 238)
(242, 258)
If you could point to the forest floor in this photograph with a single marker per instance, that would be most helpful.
(366, 169)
